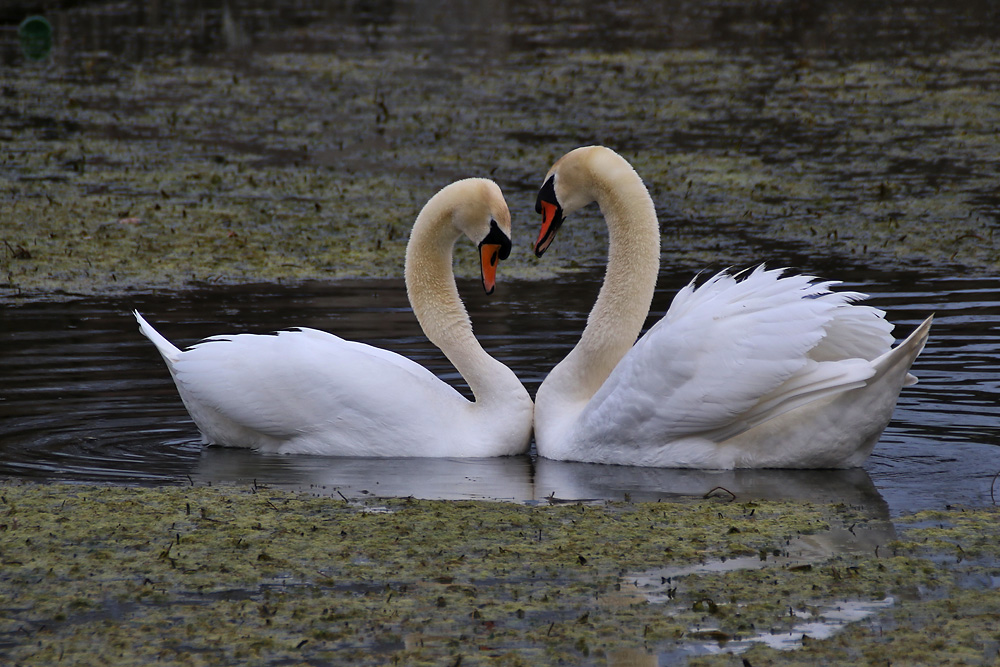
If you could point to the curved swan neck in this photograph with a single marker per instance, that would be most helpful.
(433, 295)
(617, 317)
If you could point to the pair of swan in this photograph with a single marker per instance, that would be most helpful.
(752, 371)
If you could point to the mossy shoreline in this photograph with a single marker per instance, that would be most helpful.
(250, 575)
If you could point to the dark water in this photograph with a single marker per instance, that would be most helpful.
(86, 398)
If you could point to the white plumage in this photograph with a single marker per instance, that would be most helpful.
(748, 371)
(307, 391)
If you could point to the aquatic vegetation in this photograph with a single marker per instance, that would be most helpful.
(300, 166)
(237, 575)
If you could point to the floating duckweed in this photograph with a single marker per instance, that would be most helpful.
(226, 575)
(309, 166)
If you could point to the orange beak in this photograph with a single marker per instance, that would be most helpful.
(551, 220)
(489, 255)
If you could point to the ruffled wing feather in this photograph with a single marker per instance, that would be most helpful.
(733, 352)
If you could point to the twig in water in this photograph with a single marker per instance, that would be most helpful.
(720, 488)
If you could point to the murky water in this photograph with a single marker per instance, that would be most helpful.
(86, 397)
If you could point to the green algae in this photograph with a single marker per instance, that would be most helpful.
(293, 166)
(946, 601)
(229, 575)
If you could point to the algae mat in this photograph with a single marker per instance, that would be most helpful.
(305, 151)
(236, 575)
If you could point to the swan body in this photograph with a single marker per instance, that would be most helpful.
(307, 391)
(754, 370)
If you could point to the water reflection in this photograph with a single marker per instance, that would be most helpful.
(91, 33)
(527, 479)
(506, 478)
(826, 622)
(569, 480)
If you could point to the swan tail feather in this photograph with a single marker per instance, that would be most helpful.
(168, 350)
(905, 353)
(824, 380)
(831, 378)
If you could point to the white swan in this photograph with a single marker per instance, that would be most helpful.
(306, 391)
(750, 371)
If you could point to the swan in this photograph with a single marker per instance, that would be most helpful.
(309, 392)
(750, 370)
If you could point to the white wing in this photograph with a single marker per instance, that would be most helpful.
(732, 353)
(293, 382)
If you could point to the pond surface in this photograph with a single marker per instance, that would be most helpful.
(87, 398)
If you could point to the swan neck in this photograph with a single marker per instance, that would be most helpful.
(434, 297)
(617, 318)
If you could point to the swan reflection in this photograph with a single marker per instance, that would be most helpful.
(575, 481)
(506, 478)
(526, 480)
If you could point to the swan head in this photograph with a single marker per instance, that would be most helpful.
(477, 209)
(568, 187)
